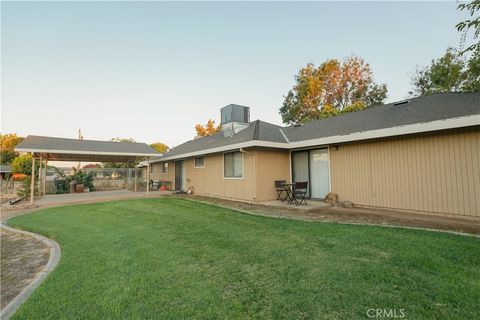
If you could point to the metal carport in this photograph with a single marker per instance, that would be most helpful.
(62, 149)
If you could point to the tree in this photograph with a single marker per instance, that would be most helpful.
(23, 164)
(464, 27)
(8, 142)
(160, 147)
(208, 129)
(331, 89)
(121, 164)
(449, 73)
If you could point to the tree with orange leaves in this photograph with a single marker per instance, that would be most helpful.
(208, 129)
(332, 88)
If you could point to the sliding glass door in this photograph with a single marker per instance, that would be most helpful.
(319, 175)
(312, 166)
(300, 167)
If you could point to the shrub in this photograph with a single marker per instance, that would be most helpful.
(23, 164)
(24, 190)
(18, 176)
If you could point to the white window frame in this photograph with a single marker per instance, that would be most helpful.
(243, 166)
(163, 166)
(194, 163)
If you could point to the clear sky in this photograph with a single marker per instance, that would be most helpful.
(152, 70)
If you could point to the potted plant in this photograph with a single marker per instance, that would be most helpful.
(80, 181)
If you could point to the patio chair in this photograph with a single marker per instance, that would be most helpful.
(279, 186)
(299, 192)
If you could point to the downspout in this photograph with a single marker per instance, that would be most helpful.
(254, 172)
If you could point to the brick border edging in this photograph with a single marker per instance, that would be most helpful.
(53, 260)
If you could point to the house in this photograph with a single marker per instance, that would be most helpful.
(421, 154)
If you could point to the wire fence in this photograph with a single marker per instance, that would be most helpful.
(117, 178)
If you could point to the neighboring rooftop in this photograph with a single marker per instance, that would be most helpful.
(5, 169)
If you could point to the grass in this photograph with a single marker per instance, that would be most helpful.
(172, 259)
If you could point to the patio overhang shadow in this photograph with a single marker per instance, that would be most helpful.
(47, 149)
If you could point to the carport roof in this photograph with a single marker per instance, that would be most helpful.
(62, 149)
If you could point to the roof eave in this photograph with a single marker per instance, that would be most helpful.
(54, 151)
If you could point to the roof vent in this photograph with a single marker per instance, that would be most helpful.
(399, 103)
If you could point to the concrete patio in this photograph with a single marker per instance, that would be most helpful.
(52, 200)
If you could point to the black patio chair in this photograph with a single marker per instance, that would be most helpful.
(279, 186)
(299, 192)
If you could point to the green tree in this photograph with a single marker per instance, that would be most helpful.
(8, 142)
(449, 73)
(131, 164)
(23, 164)
(331, 89)
(160, 147)
(473, 23)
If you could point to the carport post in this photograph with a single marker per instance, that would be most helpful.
(32, 182)
(45, 176)
(148, 174)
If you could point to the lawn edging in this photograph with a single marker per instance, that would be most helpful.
(53, 260)
(339, 222)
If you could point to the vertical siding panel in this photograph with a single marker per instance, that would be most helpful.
(450, 175)
(461, 173)
(476, 167)
(415, 181)
(436, 173)
(392, 181)
(468, 182)
(433, 187)
(427, 163)
(421, 173)
(382, 175)
(406, 174)
(458, 174)
(401, 175)
(471, 174)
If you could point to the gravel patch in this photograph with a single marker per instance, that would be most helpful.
(22, 258)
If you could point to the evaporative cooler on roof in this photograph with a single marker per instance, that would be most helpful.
(234, 118)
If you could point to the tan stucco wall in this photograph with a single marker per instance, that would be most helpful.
(271, 166)
(209, 181)
(158, 175)
(437, 173)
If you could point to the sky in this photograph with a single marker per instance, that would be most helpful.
(152, 70)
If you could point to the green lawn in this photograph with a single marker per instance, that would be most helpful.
(172, 258)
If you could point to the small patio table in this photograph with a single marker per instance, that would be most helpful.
(288, 192)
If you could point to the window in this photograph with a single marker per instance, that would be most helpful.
(165, 167)
(199, 162)
(233, 165)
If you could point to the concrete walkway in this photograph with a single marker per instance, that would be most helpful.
(53, 200)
